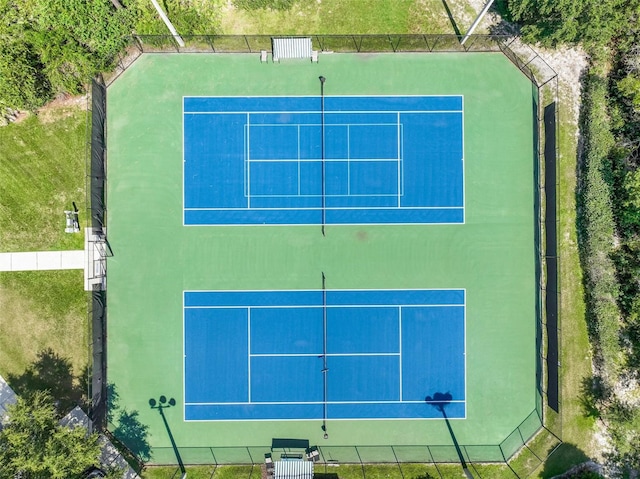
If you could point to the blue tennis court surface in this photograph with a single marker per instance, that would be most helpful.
(361, 160)
(259, 355)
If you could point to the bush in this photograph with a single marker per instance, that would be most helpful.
(598, 227)
(594, 22)
(629, 87)
(55, 46)
(22, 84)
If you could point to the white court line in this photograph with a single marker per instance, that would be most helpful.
(402, 157)
(361, 195)
(400, 346)
(184, 178)
(318, 160)
(202, 225)
(334, 306)
(349, 160)
(184, 360)
(315, 355)
(245, 148)
(329, 96)
(337, 208)
(464, 200)
(289, 125)
(385, 195)
(347, 290)
(298, 160)
(333, 419)
(398, 159)
(464, 339)
(248, 162)
(283, 403)
(315, 112)
(249, 352)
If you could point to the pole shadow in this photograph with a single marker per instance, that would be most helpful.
(161, 404)
(440, 401)
(451, 19)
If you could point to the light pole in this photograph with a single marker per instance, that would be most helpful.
(161, 404)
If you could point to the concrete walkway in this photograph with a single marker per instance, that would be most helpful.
(42, 260)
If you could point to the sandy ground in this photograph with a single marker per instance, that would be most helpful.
(61, 107)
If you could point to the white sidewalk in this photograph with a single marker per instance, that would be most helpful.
(42, 260)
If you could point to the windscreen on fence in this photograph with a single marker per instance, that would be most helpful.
(98, 149)
(99, 367)
(551, 307)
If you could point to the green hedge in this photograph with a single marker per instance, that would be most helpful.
(598, 227)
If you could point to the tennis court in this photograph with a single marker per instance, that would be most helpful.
(323, 160)
(322, 354)
(217, 185)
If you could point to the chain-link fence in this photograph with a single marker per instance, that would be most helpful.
(520, 54)
(527, 446)
(522, 451)
(96, 207)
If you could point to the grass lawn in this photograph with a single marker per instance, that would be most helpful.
(348, 471)
(577, 429)
(41, 173)
(349, 16)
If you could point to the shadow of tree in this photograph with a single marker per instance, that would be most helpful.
(133, 434)
(127, 428)
(565, 457)
(113, 402)
(53, 373)
(505, 25)
(325, 475)
(594, 393)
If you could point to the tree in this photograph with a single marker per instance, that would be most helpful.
(572, 21)
(631, 202)
(629, 87)
(55, 46)
(22, 84)
(33, 445)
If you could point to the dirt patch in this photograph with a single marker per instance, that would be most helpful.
(473, 8)
(464, 15)
(477, 5)
(569, 63)
(63, 106)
